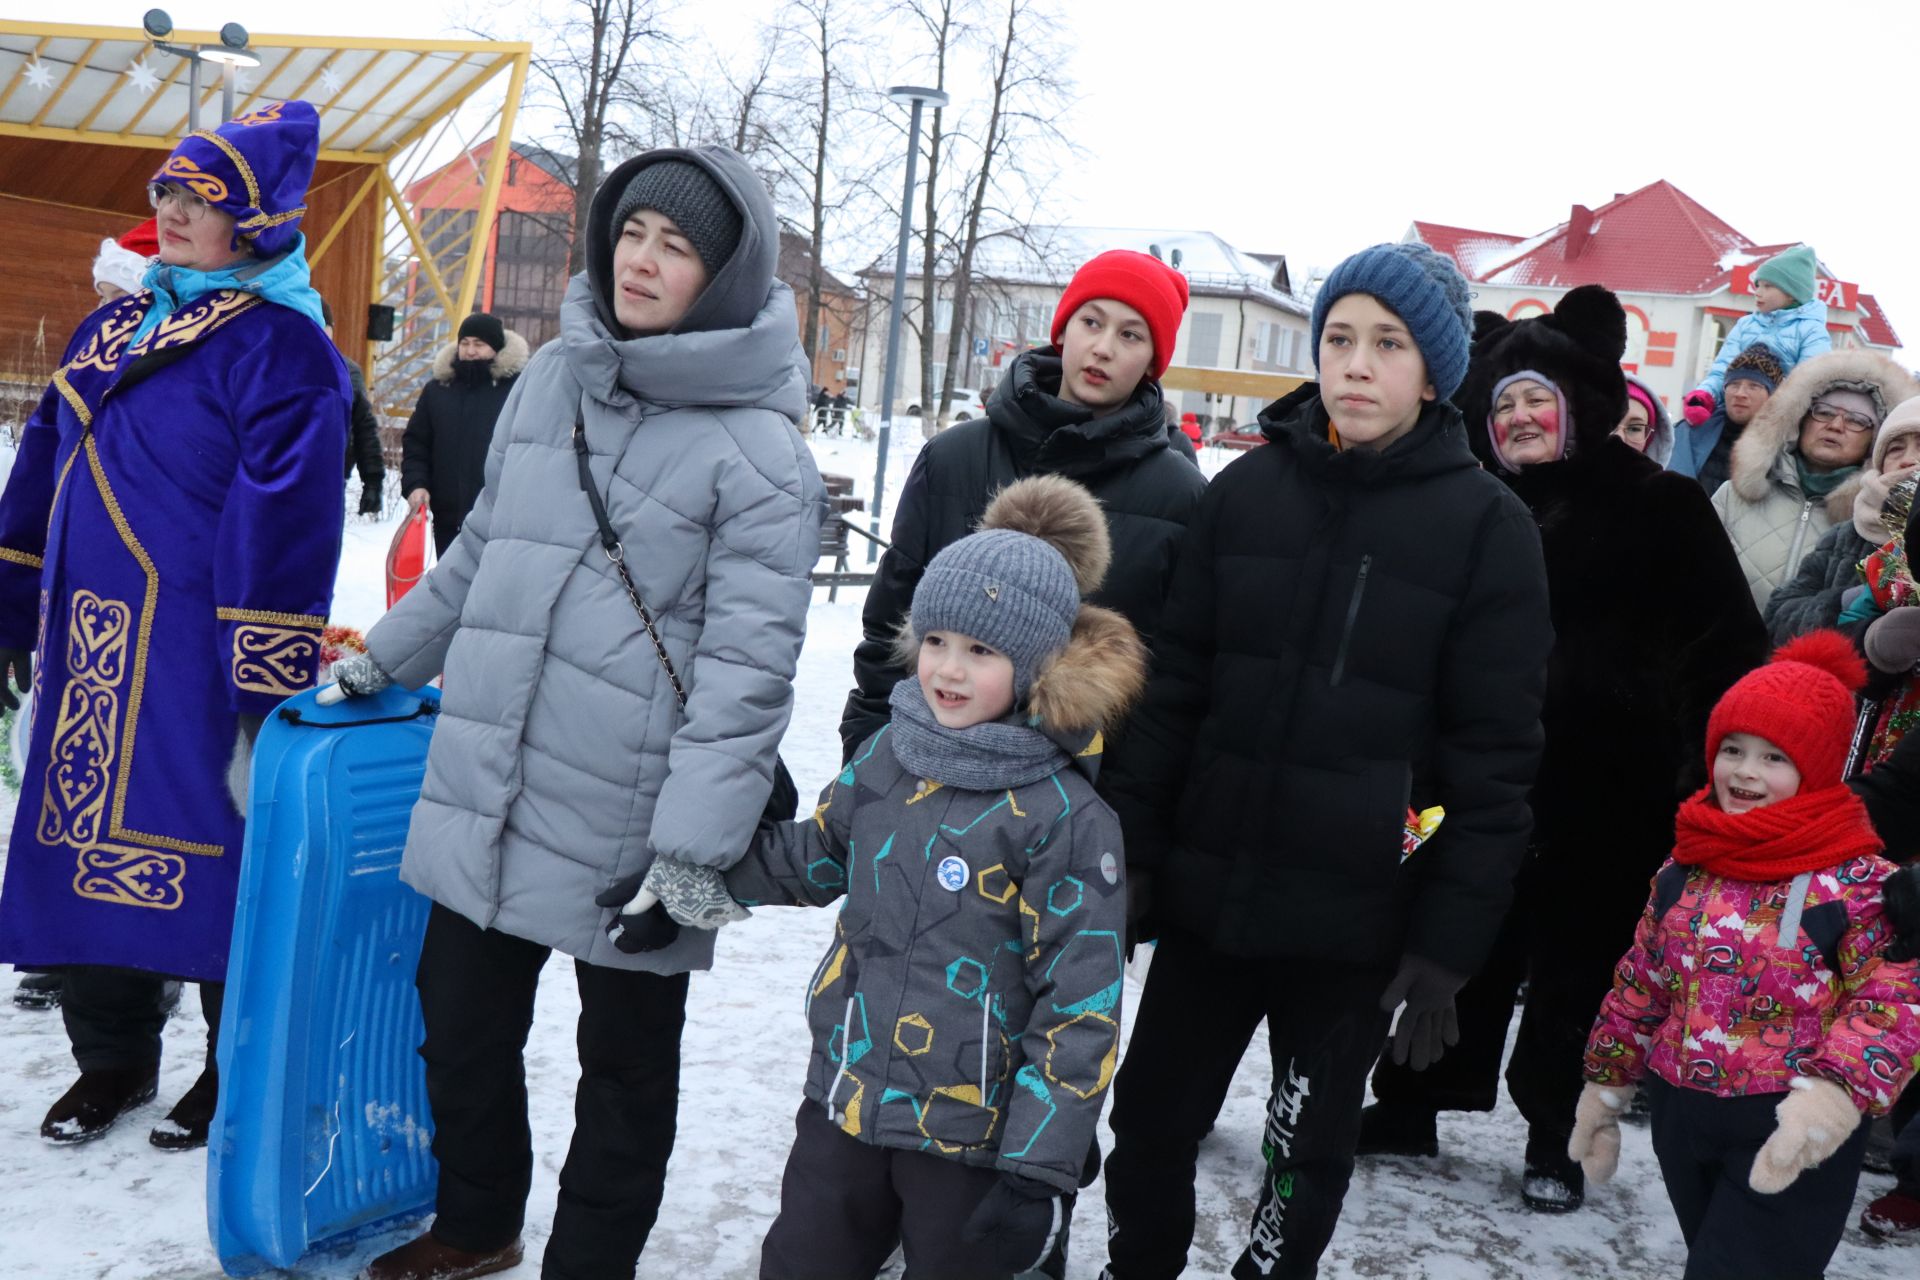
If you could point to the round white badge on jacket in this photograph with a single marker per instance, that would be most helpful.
(953, 874)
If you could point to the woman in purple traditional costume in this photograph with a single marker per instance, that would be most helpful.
(168, 541)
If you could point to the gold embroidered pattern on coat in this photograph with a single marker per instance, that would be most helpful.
(80, 759)
(191, 323)
(131, 877)
(26, 558)
(195, 179)
(312, 621)
(137, 688)
(273, 660)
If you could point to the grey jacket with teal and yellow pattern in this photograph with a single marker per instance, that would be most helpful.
(969, 1005)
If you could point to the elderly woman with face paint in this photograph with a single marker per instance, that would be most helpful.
(1644, 645)
(1797, 469)
(168, 542)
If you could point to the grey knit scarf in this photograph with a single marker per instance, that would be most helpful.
(984, 757)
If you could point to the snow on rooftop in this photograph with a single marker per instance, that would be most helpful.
(1050, 254)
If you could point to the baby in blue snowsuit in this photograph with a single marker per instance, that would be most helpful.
(966, 1018)
(1787, 317)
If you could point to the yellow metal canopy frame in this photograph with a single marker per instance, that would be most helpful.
(394, 106)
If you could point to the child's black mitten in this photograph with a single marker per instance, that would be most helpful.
(1020, 1216)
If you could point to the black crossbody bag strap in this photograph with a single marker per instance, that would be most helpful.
(783, 802)
(610, 543)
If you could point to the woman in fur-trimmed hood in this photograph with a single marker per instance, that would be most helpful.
(1652, 623)
(1797, 467)
(443, 456)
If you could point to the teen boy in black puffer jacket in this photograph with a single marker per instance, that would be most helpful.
(1357, 629)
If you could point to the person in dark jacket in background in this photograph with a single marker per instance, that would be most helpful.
(1357, 629)
(1705, 452)
(1088, 408)
(363, 440)
(443, 455)
(1644, 646)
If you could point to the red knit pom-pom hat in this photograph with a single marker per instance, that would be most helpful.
(1143, 282)
(1802, 702)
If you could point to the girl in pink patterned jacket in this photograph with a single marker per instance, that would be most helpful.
(1758, 1002)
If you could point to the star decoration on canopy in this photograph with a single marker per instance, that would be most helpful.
(142, 75)
(241, 80)
(330, 80)
(39, 75)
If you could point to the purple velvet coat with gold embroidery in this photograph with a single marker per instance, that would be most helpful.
(168, 542)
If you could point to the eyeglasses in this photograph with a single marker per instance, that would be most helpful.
(1824, 414)
(193, 206)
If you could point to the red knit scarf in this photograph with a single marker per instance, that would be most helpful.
(1807, 832)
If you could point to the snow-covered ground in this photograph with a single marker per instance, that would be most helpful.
(119, 1210)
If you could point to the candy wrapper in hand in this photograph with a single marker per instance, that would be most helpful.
(1420, 828)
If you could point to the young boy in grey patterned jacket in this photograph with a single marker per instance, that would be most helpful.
(966, 1019)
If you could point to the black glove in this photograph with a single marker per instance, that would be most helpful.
(1429, 1025)
(20, 663)
(1900, 898)
(649, 930)
(1021, 1216)
(370, 501)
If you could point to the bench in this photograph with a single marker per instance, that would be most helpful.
(836, 538)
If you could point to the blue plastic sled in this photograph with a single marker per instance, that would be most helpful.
(323, 1133)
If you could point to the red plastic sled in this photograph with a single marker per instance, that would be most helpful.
(407, 557)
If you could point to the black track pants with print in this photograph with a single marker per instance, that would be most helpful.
(1197, 1015)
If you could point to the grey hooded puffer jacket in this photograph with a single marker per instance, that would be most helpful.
(562, 761)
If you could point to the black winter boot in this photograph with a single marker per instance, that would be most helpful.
(185, 1128)
(1398, 1129)
(38, 991)
(1553, 1181)
(96, 1100)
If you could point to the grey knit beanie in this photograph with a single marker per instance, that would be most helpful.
(1420, 286)
(685, 192)
(1006, 589)
(1017, 583)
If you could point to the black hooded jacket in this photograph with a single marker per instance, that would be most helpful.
(1147, 490)
(1651, 613)
(1349, 633)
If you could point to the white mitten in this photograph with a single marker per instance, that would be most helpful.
(1815, 1117)
(356, 675)
(694, 895)
(1596, 1129)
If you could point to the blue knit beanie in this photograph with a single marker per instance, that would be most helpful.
(1420, 286)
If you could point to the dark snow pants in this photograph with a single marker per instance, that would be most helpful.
(1197, 1015)
(844, 1203)
(114, 1016)
(476, 993)
(1567, 965)
(1906, 1142)
(1706, 1146)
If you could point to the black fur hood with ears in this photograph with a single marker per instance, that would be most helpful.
(1578, 346)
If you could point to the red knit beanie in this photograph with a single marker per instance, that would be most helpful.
(1140, 280)
(1802, 702)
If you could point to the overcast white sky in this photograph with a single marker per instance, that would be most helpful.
(1315, 129)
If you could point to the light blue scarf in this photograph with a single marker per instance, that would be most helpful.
(285, 280)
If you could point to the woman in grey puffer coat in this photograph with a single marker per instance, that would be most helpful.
(562, 761)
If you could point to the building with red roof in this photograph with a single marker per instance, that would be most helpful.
(1683, 273)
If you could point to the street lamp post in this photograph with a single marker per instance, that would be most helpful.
(231, 53)
(918, 98)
